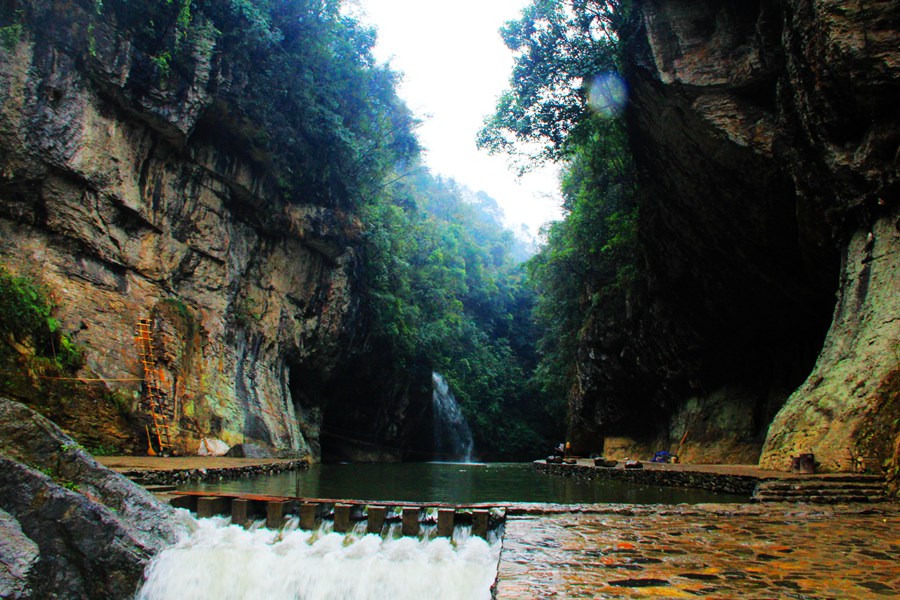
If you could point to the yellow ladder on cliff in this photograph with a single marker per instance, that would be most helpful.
(157, 400)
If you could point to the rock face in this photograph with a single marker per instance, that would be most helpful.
(766, 136)
(17, 557)
(71, 528)
(118, 194)
(846, 412)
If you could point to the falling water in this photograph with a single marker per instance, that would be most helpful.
(225, 562)
(452, 436)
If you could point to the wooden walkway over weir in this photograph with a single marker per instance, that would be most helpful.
(245, 508)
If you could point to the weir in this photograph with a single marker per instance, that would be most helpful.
(218, 559)
(414, 518)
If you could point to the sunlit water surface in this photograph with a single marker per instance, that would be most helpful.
(455, 483)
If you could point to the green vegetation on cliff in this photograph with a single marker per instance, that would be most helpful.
(40, 366)
(298, 84)
(28, 328)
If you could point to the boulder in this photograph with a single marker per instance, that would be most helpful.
(71, 527)
(17, 556)
(248, 451)
(212, 447)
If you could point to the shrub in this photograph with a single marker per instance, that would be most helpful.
(27, 323)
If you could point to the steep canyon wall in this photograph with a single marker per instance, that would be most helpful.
(766, 135)
(127, 192)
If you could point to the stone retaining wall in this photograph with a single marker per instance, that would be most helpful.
(176, 477)
(714, 482)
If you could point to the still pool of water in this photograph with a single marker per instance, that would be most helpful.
(455, 483)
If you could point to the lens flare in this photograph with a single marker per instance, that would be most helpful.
(608, 95)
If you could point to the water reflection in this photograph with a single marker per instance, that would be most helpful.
(458, 483)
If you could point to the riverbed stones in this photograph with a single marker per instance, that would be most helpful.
(653, 475)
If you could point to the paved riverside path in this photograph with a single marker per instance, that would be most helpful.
(703, 551)
(176, 463)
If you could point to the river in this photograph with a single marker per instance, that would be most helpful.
(456, 483)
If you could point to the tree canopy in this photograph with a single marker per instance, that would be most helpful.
(296, 79)
(562, 105)
(444, 284)
(560, 48)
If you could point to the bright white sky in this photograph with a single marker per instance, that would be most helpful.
(455, 66)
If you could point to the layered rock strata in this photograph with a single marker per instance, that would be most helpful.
(118, 194)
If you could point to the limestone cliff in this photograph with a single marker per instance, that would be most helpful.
(766, 134)
(118, 192)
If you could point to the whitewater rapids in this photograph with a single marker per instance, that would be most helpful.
(226, 562)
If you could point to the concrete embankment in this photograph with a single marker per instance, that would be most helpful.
(152, 470)
(730, 479)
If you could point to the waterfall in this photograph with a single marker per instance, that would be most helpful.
(228, 562)
(452, 436)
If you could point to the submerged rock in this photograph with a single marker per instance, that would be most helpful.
(71, 527)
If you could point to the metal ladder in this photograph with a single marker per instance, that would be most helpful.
(157, 400)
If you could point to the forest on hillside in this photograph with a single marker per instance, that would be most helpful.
(448, 287)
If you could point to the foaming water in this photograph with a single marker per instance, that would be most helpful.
(223, 561)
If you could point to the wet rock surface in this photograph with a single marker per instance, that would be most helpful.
(71, 528)
(248, 451)
(17, 556)
(30, 439)
(706, 551)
